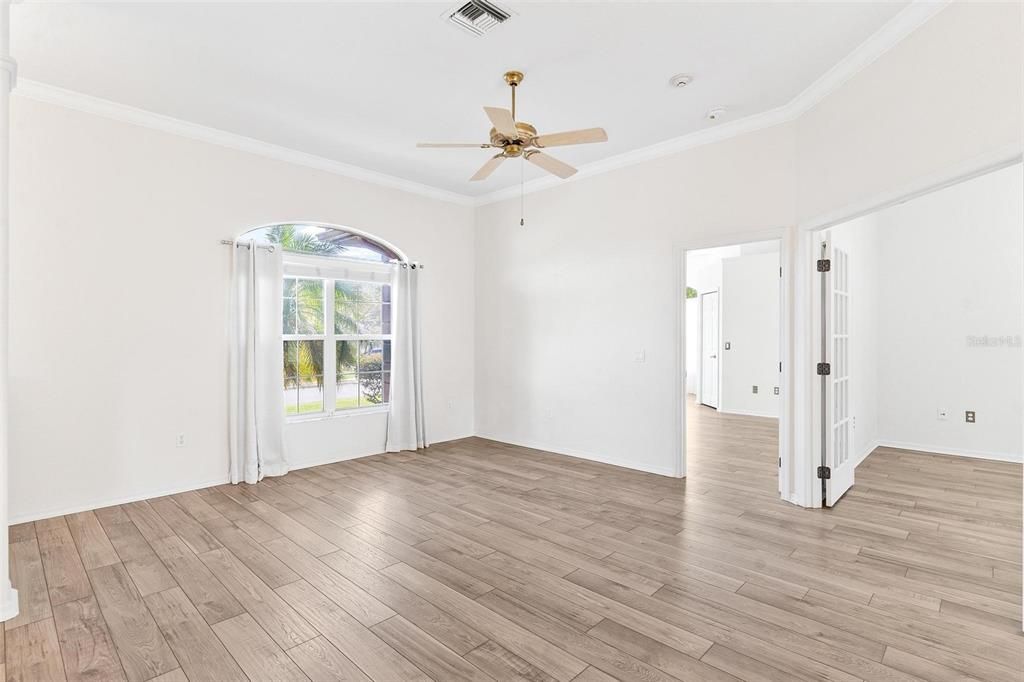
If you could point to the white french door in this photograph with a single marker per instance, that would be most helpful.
(709, 349)
(837, 468)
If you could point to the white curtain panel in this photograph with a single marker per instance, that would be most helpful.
(256, 412)
(406, 426)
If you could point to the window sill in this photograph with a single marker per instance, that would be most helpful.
(340, 414)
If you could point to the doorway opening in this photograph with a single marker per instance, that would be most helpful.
(732, 334)
(917, 319)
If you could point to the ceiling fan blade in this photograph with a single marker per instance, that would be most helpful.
(503, 122)
(551, 164)
(453, 145)
(584, 136)
(488, 168)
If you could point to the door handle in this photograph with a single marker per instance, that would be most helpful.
(712, 356)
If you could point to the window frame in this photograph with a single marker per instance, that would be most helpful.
(329, 271)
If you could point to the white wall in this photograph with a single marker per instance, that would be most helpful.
(948, 93)
(119, 297)
(926, 275)
(564, 304)
(953, 268)
(704, 267)
(692, 346)
(749, 305)
(559, 307)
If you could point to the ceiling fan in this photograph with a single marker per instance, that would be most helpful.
(518, 138)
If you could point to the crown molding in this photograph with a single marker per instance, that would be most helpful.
(70, 99)
(908, 20)
(896, 29)
(721, 132)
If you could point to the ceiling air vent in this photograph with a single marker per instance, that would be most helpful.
(478, 16)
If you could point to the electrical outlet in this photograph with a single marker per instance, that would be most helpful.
(969, 416)
(755, 389)
(179, 441)
(451, 404)
(640, 356)
(776, 390)
(942, 414)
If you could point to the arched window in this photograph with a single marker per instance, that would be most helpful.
(324, 240)
(336, 317)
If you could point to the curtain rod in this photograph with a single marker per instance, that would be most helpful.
(248, 245)
(270, 247)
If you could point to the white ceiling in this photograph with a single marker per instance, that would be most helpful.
(362, 83)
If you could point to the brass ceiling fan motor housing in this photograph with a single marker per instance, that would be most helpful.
(525, 139)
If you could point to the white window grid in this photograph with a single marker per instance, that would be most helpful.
(330, 339)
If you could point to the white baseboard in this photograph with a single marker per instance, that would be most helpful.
(863, 455)
(940, 450)
(110, 502)
(149, 494)
(593, 457)
(8, 602)
(935, 450)
(334, 459)
(744, 413)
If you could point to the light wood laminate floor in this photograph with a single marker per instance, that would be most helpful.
(477, 560)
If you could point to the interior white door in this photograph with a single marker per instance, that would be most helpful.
(837, 423)
(709, 349)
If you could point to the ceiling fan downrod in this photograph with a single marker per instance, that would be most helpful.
(514, 78)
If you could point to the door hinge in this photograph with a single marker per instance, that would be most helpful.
(780, 272)
(824, 369)
(780, 462)
(824, 472)
(780, 366)
(824, 265)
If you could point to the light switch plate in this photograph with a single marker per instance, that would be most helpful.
(969, 416)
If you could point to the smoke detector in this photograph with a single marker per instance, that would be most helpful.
(477, 16)
(715, 114)
(680, 80)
